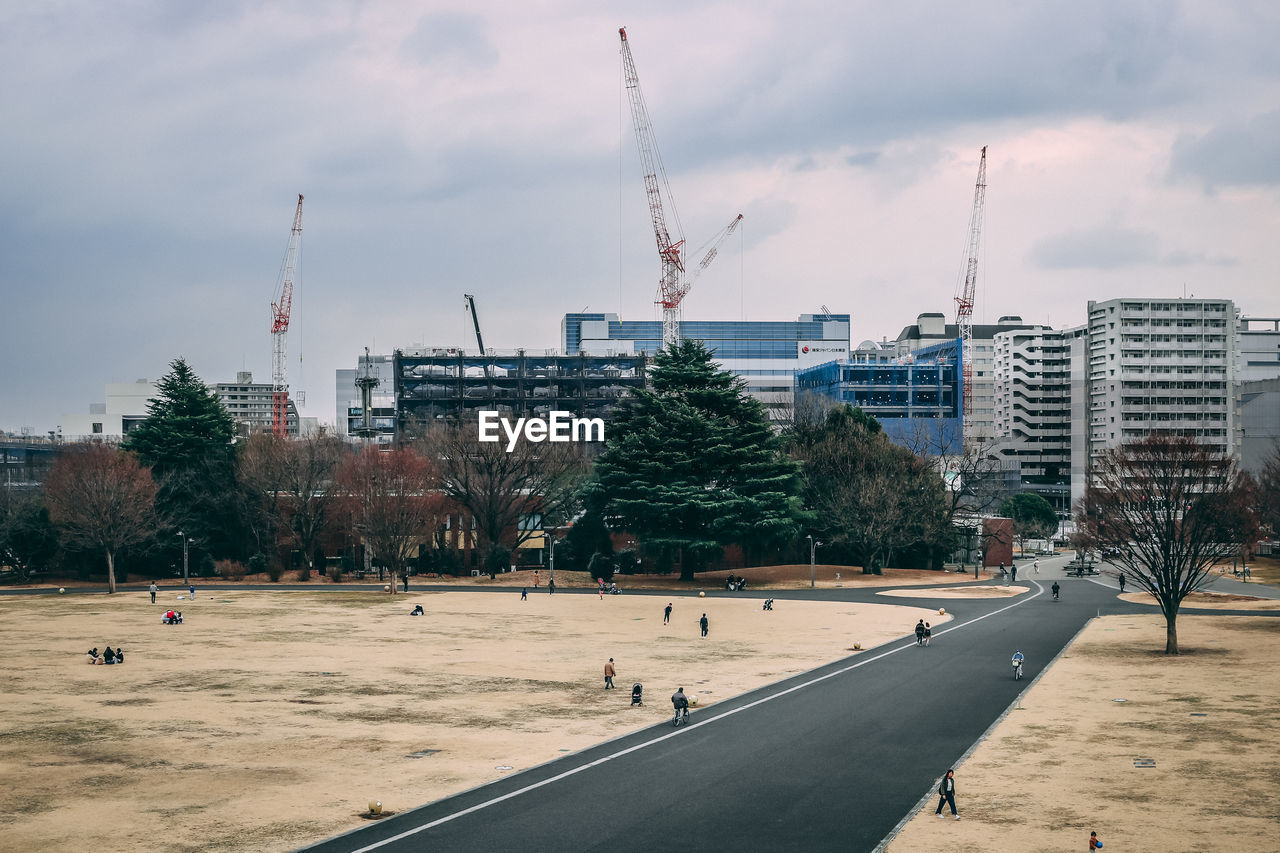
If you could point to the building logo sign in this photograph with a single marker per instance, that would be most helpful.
(815, 352)
(558, 427)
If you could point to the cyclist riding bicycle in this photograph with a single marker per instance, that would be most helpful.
(1018, 658)
(1055, 589)
(681, 703)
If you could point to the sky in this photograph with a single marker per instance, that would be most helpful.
(151, 154)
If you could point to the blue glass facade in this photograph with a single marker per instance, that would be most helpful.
(918, 400)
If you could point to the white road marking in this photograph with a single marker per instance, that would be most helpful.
(674, 732)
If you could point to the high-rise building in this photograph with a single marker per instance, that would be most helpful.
(249, 404)
(1259, 348)
(1160, 365)
(350, 402)
(1032, 371)
(932, 328)
(765, 354)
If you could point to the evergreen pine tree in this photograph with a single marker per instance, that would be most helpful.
(691, 465)
(186, 440)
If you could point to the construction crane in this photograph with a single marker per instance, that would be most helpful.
(673, 285)
(965, 297)
(281, 306)
(475, 319)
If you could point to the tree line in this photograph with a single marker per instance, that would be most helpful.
(691, 465)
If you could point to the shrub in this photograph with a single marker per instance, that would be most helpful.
(232, 570)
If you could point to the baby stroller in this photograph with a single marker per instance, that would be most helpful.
(636, 690)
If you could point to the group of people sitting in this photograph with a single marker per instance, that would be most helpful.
(172, 617)
(734, 584)
(109, 656)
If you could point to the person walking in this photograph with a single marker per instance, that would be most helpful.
(609, 673)
(524, 594)
(192, 590)
(1002, 568)
(1036, 565)
(1094, 843)
(928, 633)
(406, 581)
(551, 586)
(1122, 584)
(947, 793)
(535, 578)
(1013, 572)
(703, 623)
(920, 633)
(154, 589)
(666, 614)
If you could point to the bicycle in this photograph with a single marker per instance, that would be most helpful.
(1017, 669)
(682, 716)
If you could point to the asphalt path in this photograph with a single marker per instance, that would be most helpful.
(828, 760)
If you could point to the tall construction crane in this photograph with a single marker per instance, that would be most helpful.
(673, 285)
(281, 306)
(965, 297)
(475, 319)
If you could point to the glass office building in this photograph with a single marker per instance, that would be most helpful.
(917, 398)
(766, 355)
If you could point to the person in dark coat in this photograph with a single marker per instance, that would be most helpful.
(920, 633)
(947, 793)
(703, 624)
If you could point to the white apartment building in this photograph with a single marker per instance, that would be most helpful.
(1259, 348)
(1032, 393)
(249, 404)
(124, 406)
(933, 328)
(1161, 365)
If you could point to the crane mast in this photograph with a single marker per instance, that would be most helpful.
(966, 297)
(671, 286)
(475, 319)
(281, 306)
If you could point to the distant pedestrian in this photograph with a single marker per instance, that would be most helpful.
(947, 793)
(154, 589)
(601, 589)
(192, 590)
(1013, 572)
(551, 586)
(1036, 565)
(1094, 843)
(609, 673)
(928, 633)
(703, 623)
(920, 633)
(666, 614)
(535, 579)
(1122, 584)
(1002, 572)
(524, 594)
(406, 581)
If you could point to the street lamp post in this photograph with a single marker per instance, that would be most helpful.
(551, 558)
(813, 548)
(185, 540)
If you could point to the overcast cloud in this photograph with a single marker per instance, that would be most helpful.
(151, 154)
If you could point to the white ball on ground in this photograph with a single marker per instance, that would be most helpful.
(701, 594)
(942, 611)
(375, 807)
(62, 590)
(387, 588)
(693, 700)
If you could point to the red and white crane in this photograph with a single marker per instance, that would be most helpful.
(674, 284)
(965, 298)
(281, 306)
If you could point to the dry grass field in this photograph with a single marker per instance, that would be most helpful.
(1063, 763)
(269, 719)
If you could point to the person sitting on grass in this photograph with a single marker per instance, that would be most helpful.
(417, 611)
(93, 655)
(119, 655)
(108, 657)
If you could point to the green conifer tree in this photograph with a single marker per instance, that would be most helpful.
(691, 465)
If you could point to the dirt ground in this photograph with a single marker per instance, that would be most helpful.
(1063, 763)
(1205, 600)
(982, 591)
(269, 719)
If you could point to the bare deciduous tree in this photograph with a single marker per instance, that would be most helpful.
(1167, 508)
(504, 491)
(395, 503)
(103, 499)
